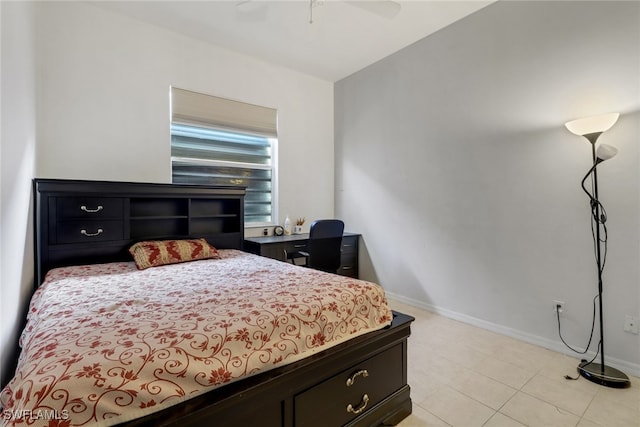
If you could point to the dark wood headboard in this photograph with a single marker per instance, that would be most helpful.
(86, 222)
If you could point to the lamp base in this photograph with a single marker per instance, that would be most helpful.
(604, 375)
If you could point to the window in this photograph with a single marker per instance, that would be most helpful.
(216, 141)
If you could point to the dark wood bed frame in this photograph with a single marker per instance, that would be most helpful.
(362, 382)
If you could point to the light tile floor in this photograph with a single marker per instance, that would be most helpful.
(461, 375)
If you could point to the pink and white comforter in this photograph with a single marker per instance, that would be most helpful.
(109, 343)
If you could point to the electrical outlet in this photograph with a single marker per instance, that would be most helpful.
(558, 306)
(631, 324)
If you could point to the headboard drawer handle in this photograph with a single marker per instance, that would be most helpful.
(363, 405)
(85, 209)
(84, 232)
(352, 379)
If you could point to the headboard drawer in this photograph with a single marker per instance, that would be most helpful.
(87, 231)
(89, 207)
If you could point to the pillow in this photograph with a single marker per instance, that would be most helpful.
(161, 252)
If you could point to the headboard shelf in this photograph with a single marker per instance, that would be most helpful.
(82, 222)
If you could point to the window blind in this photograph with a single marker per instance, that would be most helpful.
(199, 109)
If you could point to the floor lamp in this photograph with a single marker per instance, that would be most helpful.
(591, 128)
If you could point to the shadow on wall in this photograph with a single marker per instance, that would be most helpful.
(11, 351)
(365, 264)
(418, 292)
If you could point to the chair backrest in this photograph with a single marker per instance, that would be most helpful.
(325, 241)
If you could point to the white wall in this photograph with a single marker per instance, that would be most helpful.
(104, 103)
(17, 159)
(452, 159)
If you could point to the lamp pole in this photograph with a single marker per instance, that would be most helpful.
(595, 208)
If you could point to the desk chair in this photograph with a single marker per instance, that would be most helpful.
(323, 251)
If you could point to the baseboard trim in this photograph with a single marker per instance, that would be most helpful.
(625, 366)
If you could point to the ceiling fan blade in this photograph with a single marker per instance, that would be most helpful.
(249, 5)
(249, 10)
(384, 8)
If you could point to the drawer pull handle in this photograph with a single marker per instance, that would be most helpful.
(365, 400)
(84, 232)
(299, 246)
(346, 245)
(84, 208)
(352, 379)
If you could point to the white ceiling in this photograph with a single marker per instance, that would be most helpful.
(341, 40)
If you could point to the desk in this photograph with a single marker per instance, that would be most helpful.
(275, 247)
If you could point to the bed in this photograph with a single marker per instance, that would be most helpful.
(256, 347)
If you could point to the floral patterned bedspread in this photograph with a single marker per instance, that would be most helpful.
(109, 343)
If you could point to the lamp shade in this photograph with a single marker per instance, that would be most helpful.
(594, 124)
(605, 152)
